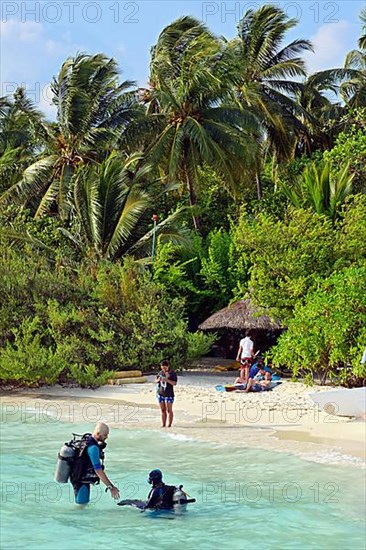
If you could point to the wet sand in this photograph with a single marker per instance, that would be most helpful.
(283, 420)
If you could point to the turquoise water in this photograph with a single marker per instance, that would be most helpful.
(245, 498)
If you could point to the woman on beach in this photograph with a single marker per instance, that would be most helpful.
(166, 380)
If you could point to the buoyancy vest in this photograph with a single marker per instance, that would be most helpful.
(164, 494)
(82, 470)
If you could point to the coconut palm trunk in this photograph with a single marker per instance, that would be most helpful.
(193, 121)
(192, 199)
(259, 186)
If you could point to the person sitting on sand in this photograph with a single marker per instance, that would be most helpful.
(245, 355)
(254, 369)
(245, 367)
(260, 382)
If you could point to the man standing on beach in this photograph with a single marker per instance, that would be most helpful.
(166, 380)
(245, 355)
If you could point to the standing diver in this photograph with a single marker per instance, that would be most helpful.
(81, 461)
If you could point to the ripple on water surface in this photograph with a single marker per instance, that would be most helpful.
(246, 498)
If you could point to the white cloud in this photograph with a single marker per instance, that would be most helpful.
(29, 31)
(31, 54)
(120, 48)
(52, 47)
(330, 43)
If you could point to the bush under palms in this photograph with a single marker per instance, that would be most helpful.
(321, 190)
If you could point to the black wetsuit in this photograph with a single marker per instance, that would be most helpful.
(161, 497)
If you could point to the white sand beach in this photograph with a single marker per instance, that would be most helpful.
(284, 419)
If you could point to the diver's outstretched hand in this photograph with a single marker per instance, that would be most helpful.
(114, 491)
(133, 502)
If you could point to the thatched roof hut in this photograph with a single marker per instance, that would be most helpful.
(241, 315)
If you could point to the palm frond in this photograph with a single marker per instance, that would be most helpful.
(134, 206)
(167, 230)
(36, 179)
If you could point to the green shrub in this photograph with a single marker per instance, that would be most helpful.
(87, 376)
(327, 334)
(215, 270)
(350, 248)
(286, 257)
(350, 147)
(26, 360)
(86, 322)
(199, 344)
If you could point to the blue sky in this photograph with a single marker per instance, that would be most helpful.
(36, 37)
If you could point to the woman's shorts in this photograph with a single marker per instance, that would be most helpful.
(162, 399)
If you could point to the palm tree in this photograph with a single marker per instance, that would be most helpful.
(114, 212)
(91, 107)
(354, 90)
(267, 73)
(22, 133)
(321, 190)
(322, 115)
(362, 39)
(190, 120)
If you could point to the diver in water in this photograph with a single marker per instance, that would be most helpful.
(161, 496)
(81, 462)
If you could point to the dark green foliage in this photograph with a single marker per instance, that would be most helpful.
(222, 268)
(172, 269)
(327, 335)
(286, 256)
(350, 147)
(219, 127)
(217, 206)
(350, 246)
(320, 188)
(26, 360)
(58, 324)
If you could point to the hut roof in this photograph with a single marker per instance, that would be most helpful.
(240, 315)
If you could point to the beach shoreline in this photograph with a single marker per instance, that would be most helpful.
(282, 420)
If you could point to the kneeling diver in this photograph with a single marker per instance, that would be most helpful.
(161, 496)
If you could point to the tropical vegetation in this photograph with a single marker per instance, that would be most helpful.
(138, 212)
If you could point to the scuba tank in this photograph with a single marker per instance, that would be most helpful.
(179, 496)
(64, 462)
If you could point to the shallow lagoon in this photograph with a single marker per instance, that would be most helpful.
(246, 498)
